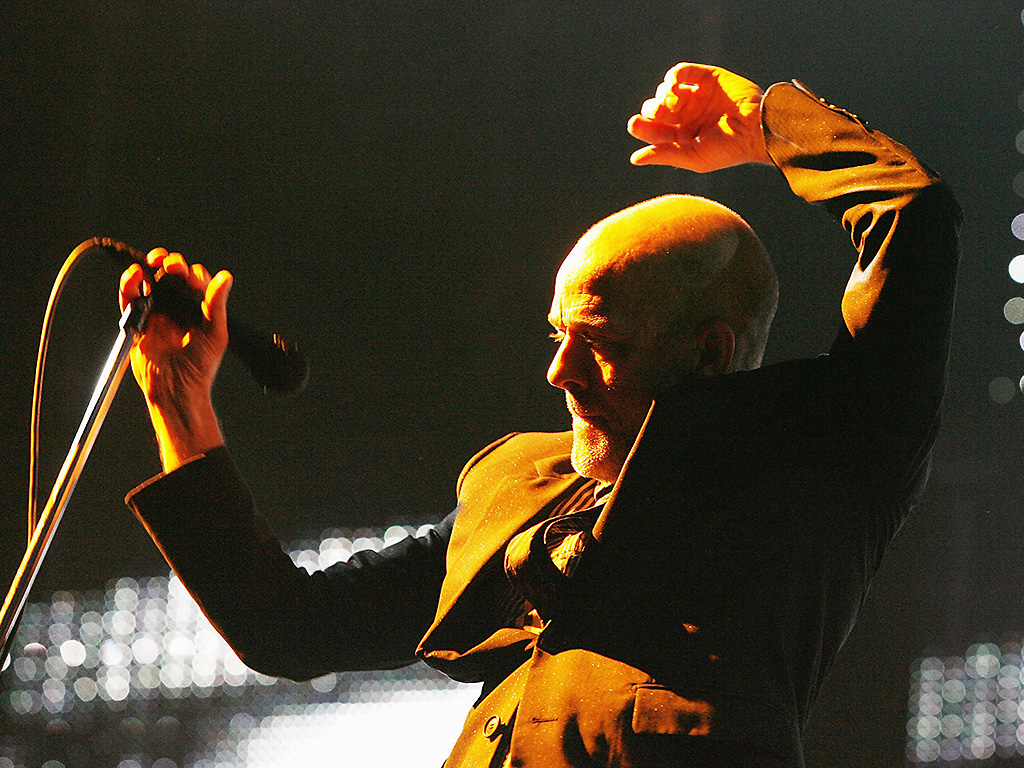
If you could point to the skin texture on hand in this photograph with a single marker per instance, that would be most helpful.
(175, 367)
(702, 119)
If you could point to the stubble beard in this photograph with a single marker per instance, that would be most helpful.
(594, 451)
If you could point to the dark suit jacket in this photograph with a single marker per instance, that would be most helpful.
(726, 569)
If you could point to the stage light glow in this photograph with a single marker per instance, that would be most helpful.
(1002, 390)
(980, 712)
(73, 653)
(85, 689)
(954, 691)
(1017, 226)
(1013, 310)
(143, 643)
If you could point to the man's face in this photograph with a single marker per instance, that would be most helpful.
(611, 358)
(647, 297)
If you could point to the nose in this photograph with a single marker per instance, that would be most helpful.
(568, 367)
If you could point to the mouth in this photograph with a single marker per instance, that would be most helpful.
(578, 411)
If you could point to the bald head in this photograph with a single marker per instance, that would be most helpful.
(676, 263)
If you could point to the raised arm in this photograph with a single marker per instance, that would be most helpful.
(900, 217)
(366, 613)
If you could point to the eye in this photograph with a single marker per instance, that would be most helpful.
(608, 349)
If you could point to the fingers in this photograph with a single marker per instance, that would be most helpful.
(689, 74)
(672, 99)
(667, 144)
(701, 118)
(214, 289)
(652, 131)
(199, 276)
(216, 299)
(173, 263)
(644, 156)
(679, 107)
(155, 258)
(130, 287)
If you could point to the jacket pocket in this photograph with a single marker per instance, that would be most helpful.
(658, 710)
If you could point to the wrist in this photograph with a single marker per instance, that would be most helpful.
(759, 143)
(184, 430)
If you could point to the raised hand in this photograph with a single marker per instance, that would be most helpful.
(702, 119)
(174, 366)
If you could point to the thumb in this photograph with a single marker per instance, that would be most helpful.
(643, 155)
(663, 154)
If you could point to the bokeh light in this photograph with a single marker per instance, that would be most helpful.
(1001, 390)
(1017, 226)
(140, 660)
(967, 707)
(1013, 310)
(1017, 268)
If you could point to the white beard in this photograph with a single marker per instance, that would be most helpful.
(593, 454)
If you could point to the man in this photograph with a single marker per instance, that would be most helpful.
(669, 583)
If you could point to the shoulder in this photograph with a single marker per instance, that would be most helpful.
(518, 452)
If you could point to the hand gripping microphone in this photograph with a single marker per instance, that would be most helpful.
(275, 364)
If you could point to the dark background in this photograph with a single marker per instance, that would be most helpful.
(394, 184)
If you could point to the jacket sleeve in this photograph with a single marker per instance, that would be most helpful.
(888, 363)
(901, 219)
(366, 613)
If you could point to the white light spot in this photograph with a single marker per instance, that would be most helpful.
(1017, 268)
(123, 623)
(182, 647)
(927, 751)
(145, 650)
(394, 534)
(325, 684)
(73, 653)
(110, 653)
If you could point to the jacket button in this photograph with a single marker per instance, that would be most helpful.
(492, 726)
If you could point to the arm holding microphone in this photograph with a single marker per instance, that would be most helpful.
(175, 367)
(365, 613)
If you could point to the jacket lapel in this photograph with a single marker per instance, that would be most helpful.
(518, 484)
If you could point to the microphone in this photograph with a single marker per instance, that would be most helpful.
(275, 364)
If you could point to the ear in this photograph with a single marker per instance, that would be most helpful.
(716, 344)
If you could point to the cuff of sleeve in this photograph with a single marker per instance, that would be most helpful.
(202, 488)
(826, 152)
(161, 475)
